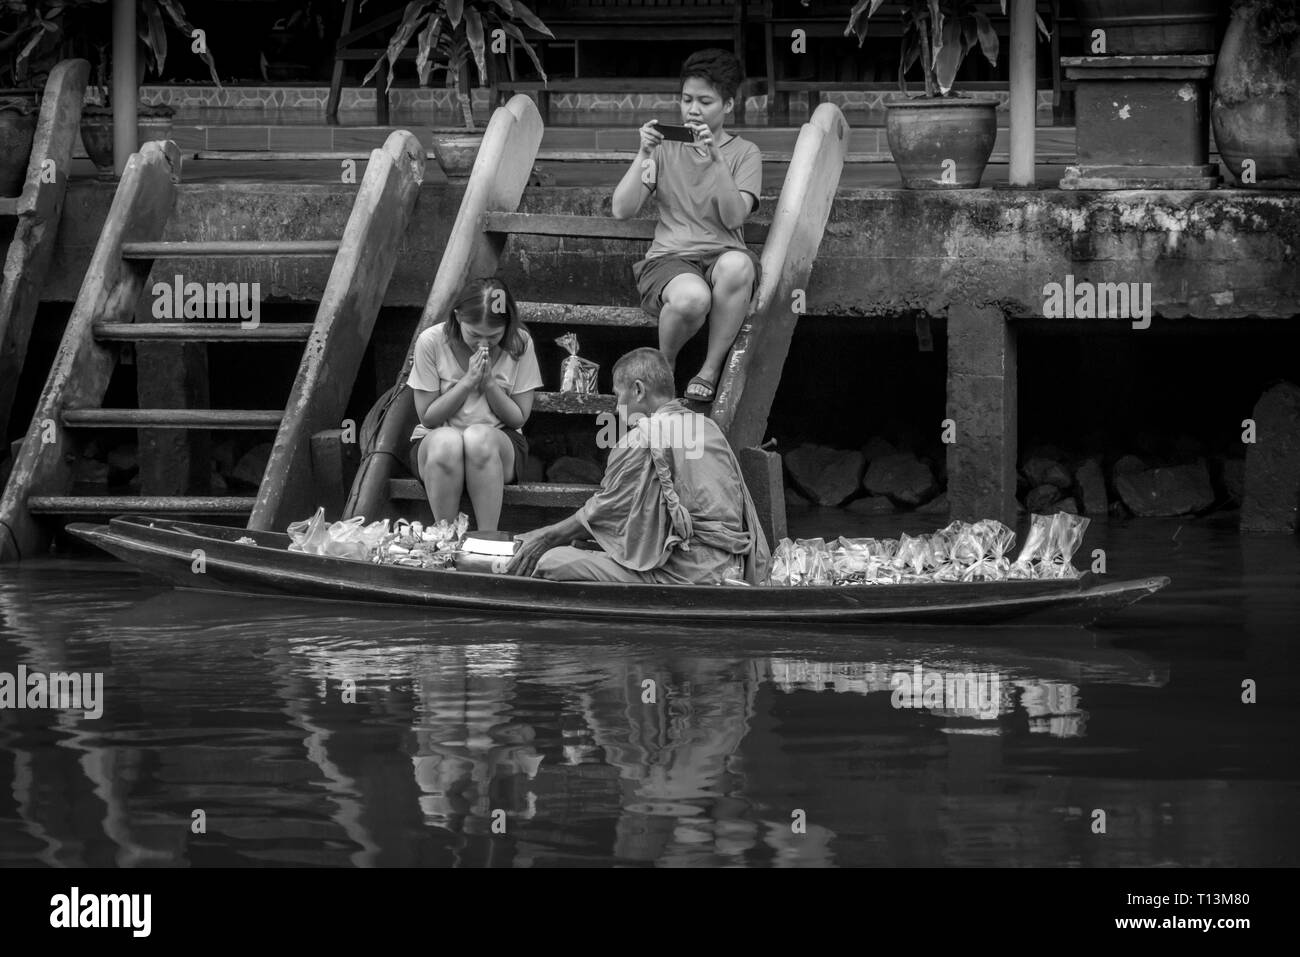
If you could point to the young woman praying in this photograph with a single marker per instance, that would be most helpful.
(473, 378)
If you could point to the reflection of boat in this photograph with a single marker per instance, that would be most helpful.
(262, 564)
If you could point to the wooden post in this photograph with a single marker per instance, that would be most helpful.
(125, 92)
(39, 209)
(172, 376)
(334, 462)
(982, 405)
(1024, 92)
(761, 471)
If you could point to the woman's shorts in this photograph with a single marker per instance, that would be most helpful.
(653, 275)
(516, 437)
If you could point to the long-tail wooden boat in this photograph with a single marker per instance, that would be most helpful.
(213, 558)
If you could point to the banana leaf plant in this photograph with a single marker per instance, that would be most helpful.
(448, 33)
(36, 34)
(937, 34)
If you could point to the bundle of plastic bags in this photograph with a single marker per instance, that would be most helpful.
(960, 552)
(1050, 547)
(415, 545)
(806, 561)
(350, 538)
(405, 543)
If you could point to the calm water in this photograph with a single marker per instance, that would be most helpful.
(769, 747)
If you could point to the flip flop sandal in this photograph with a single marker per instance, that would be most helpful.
(703, 390)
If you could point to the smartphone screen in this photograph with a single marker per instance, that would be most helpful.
(682, 134)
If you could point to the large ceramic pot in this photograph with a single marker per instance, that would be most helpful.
(17, 130)
(1138, 27)
(941, 143)
(1256, 106)
(152, 123)
(456, 152)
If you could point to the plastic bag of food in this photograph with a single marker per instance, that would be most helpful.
(781, 558)
(1063, 541)
(576, 374)
(811, 562)
(344, 539)
(1034, 550)
(851, 558)
(948, 572)
(989, 540)
(310, 534)
(914, 556)
(412, 544)
(1001, 540)
(968, 547)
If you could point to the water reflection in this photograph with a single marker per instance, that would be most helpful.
(307, 735)
(966, 689)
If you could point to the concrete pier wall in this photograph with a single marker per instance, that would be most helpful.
(1213, 254)
(980, 259)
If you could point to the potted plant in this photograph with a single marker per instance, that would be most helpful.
(1256, 108)
(448, 35)
(153, 122)
(25, 60)
(941, 139)
(18, 115)
(46, 31)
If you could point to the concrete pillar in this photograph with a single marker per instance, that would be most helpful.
(761, 471)
(982, 405)
(126, 93)
(1024, 92)
(172, 376)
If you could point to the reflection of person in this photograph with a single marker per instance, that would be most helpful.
(678, 515)
(473, 379)
(698, 266)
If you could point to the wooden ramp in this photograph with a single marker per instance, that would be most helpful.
(38, 207)
(488, 217)
(107, 312)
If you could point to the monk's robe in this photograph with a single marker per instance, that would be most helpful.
(672, 509)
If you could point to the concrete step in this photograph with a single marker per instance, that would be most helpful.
(224, 419)
(868, 143)
(535, 494)
(139, 505)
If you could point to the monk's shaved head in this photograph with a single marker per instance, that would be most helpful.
(651, 367)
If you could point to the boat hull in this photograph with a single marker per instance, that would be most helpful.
(209, 558)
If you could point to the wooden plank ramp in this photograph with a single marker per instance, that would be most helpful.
(753, 371)
(107, 312)
(488, 217)
(38, 207)
(347, 313)
(82, 367)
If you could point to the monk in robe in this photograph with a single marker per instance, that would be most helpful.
(672, 508)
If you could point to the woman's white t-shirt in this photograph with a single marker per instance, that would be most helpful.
(437, 369)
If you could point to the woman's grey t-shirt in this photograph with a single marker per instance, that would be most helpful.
(686, 189)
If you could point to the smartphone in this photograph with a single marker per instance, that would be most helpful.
(682, 134)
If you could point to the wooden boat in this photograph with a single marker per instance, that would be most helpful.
(212, 558)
